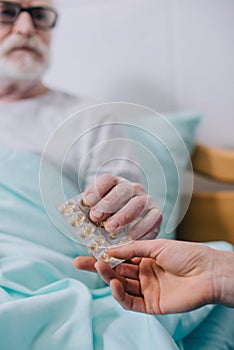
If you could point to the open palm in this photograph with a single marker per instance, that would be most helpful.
(173, 277)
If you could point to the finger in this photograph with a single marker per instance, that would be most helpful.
(151, 221)
(116, 199)
(99, 188)
(148, 249)
(133, 209)
(113, 200)
(132, 287)
(129, 302)
(129, 271)
(135, 261)
(85, 263)
(107, 274)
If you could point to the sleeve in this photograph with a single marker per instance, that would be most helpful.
(110, 151)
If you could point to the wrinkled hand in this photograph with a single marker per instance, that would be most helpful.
(120, 202)
(160, 276)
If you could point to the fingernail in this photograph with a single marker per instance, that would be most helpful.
(90, 198)
(97, 214)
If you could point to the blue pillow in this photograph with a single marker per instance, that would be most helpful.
(163, 147)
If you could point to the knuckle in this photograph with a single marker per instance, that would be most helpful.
(103, 184)
(138, 187)
(152, 204)
(108, 178)
(150, 201)
(139, 204)
(126, 190)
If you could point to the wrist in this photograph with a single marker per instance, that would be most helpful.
(223, 278)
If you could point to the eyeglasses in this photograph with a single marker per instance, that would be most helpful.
(43, 17)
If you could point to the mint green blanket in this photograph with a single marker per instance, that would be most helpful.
(45, 303)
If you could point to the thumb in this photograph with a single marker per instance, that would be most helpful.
(143, 248)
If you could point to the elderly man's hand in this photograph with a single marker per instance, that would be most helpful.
(120, 202)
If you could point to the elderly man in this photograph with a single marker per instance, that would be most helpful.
(30, 111)
(40, 290)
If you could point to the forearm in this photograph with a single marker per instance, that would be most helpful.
(223, 278)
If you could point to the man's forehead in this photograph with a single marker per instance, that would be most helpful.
(29, 3)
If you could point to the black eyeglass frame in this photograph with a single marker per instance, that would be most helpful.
(30, 11)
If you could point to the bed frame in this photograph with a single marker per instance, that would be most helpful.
(210, 216)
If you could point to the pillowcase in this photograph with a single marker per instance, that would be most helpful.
(163, 147)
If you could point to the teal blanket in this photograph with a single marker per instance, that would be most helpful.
(45, 303)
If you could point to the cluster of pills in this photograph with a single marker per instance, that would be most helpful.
(91, 234)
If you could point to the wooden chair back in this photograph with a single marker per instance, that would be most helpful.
(210, 216)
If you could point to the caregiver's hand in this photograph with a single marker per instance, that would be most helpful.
(120, 202)
(164, 276)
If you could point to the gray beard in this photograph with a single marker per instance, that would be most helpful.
(30, 71)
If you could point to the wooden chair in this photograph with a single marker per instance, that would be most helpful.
(210, 216)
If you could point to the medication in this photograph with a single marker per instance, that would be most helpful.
(91, 234)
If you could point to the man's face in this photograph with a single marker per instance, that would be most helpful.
(24, 49)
